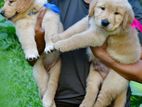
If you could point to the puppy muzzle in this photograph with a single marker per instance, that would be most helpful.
(105, 22)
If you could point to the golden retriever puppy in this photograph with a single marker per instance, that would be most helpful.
(108, 21)
(24, 14)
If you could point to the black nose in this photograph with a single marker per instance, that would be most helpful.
(105, 22)
(2, 12)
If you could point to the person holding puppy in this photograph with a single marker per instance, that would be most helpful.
(133, 71)
(75, 64)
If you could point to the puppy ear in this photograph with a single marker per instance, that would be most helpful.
(128, 18)
(23, 5)
(92, 6)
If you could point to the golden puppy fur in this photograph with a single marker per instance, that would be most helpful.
(108, 21)
(24, 14)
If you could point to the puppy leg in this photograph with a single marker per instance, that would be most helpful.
(41, 76)
(81, 40)
(51, 24)
(54, 105)
(113, 86)
(25, 32)
(48, 98)
(121, 99)
(94, 81)
(80, 26)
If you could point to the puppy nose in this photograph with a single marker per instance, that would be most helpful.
(2, 12)
(105, 22)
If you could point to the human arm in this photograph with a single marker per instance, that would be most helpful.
(130, 71)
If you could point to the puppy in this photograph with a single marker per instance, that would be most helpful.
(24, 14)
(108, 21)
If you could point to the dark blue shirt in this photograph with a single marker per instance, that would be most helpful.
(75, 64)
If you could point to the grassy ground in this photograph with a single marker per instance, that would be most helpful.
(17, 87)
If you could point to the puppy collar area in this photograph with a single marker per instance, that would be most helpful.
(136, 24)
(52, 7)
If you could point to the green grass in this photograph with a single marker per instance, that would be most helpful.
(17, 86)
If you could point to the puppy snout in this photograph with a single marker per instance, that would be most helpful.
(105, 22)
(2, 12)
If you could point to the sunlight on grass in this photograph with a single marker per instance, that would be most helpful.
(136, 88)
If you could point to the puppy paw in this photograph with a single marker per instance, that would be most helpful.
(46, 101)
(31, 56)
(49, 49)
(61, 47)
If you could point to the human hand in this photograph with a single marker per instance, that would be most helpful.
(100, 52)
(128, 71)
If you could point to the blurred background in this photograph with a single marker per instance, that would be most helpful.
(17, 86)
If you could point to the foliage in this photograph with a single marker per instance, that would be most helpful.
(1, 3)
(17, 86)
(136, 98)
(136, 101)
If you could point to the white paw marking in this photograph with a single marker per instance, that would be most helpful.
(49, 49)
(31, 55)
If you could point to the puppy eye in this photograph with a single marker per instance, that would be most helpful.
(11, 1)
(102, 8)
(116, 13)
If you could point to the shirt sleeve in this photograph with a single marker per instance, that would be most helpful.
(137, 8)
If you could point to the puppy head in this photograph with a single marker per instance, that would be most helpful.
(12, 7)
(111, 15)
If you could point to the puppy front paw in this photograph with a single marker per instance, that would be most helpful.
(31, 56)
(61, 46)
(49, 49)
